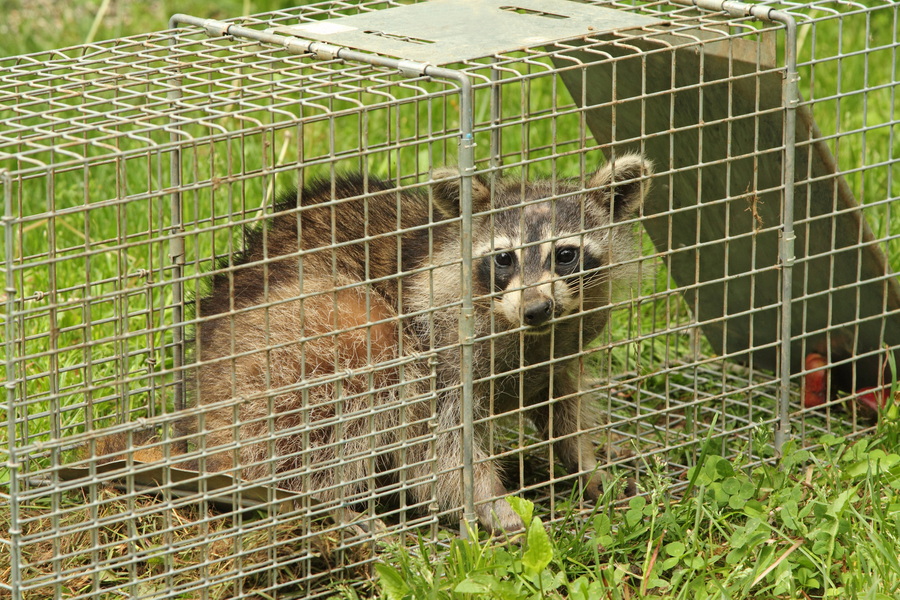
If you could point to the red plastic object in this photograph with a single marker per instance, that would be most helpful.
(816, 382)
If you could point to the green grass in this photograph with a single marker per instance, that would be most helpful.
(38, 25)
(822, 524)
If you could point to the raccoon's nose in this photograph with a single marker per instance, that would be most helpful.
(538, 312)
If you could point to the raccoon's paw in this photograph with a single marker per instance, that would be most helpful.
(499, 518)
(593, 486)
(627, 488)
(618, 453)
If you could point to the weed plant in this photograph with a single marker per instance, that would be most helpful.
(821, 523)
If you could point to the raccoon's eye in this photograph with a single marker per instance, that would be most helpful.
(566, 256)
(504, 260)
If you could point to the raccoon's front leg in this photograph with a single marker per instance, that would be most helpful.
(569, 421)
(493, 511)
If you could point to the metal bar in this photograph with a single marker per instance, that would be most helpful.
(467, 313)
(791, 102)
(176, 248)
(15, 532)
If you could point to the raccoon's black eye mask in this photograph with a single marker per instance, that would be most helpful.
(504, 267)
(493, 272)
(567, 259)
(504, 260)
(575, 265)
(584, 269)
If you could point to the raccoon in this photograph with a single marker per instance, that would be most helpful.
(316, 348)
(547, 254)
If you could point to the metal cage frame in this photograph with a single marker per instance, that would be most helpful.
(169, 147)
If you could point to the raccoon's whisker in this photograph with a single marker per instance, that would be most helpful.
(591, 280)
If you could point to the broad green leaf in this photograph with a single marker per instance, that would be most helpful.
(522, 507)
(633, 517)
(392, 582)
(731, 486)
(875, 462)
(675, 549)
(470, 586)
(578, 589)
(602, 524)
(840, 503)
(540, 551)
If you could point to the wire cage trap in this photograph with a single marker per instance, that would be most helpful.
(148, 182)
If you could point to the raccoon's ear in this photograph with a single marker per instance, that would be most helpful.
(446, 193)
(620, 186)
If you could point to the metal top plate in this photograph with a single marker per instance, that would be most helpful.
(448, 31)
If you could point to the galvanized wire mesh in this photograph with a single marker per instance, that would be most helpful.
(135, 171)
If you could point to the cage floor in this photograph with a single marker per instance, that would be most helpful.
(718, 407)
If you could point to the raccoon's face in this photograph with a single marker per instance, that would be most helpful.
(529, 280)
(543, 252)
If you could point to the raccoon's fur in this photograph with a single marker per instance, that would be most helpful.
(330, 342)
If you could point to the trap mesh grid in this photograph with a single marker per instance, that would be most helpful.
(131, 168)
